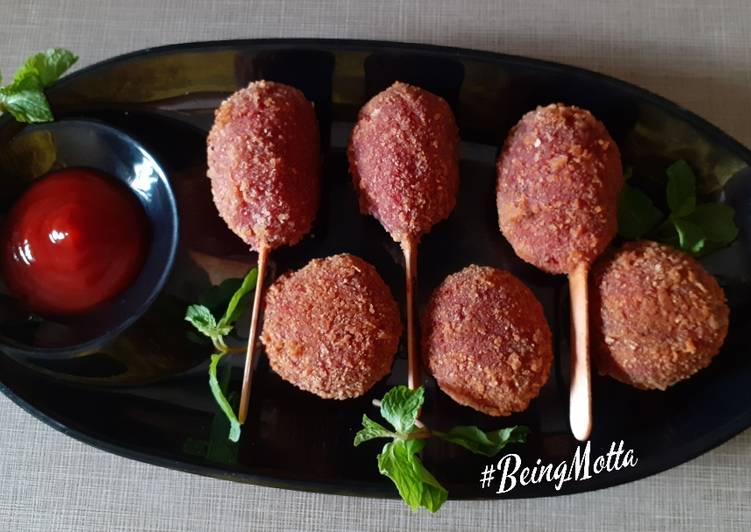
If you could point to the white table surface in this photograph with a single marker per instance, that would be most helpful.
(697, 53)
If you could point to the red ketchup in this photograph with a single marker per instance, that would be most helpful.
(75, 239)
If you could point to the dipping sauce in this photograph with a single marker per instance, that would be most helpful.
(74, 240)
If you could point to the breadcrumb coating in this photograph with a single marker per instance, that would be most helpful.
(657, 316)
(403, 157)
(331, 328)
(559, 177)
(486, 340)
(264, 164)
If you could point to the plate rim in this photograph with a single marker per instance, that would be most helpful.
(694, 119)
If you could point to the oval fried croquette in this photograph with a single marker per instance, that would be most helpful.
(486, 340)
(264, 164)
(658, 317)
(403, 157)
(331, 328)
(559, 176)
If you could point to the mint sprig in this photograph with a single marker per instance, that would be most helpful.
(484, 443)
(24, 97)
(694, 227)
(201, 317)
(399, 460)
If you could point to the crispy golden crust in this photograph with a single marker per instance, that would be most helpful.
(331, 328)
(264, 164)
(657, 316)
(559, 176)
(486, 341)
(403, 157)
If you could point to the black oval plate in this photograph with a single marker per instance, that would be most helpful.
(145, 396)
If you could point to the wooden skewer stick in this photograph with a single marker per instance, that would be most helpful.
(409, 247)
(580, 405)
(250, 354)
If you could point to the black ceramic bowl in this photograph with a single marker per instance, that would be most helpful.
(34, 152)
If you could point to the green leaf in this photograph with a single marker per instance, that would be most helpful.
(717, 221)
(433, 493)
(202, 319)
(371, 430)
(637, 215)
(24, 98)
(400, 407)
(220, 448)
(484, 443)
(417, 487)
(47, 66)
(681, 191)
(25, 101)
(215, 298)
(216, 390)
(691, 237)
(234, 309)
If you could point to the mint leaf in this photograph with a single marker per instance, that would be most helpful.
(637, 215)
(47, 66)
(24, 98)
(203, 320)
(25, 101)
(398, 460)
(400, 407)
(395, 461)
(433, 493)
(484, 443)
(691, 237)
(717, 221)
(371, 430)
(234, 310)
(681, 190)
(216, 390)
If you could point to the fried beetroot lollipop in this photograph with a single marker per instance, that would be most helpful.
(486, 341)
(403, 157)
(264, 166)
(351, 343)
(559, 176)
(658, 316)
